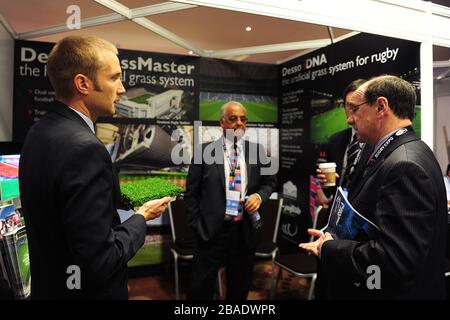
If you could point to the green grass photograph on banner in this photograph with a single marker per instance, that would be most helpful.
(260, 109)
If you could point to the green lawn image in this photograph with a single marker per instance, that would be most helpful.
(324, 125)
(256, 111)
(142, 99)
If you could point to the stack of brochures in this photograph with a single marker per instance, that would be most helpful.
(14, 258)
(347, 223)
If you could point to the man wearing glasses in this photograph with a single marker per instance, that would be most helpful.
(402, 193)
(223, 223)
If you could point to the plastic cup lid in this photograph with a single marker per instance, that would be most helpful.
(327, 165)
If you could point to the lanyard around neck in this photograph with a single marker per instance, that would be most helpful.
(385, 144)
(231, 165)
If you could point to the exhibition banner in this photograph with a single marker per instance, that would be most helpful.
(33, 94)
(154, 116)
(164, 95)
(293, 108)
(161, 98)
(167, 98)
(312, 109)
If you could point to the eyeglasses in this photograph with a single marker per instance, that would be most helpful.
(234, 119)
(355, 109)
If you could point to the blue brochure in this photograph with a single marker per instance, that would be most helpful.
(347, 223)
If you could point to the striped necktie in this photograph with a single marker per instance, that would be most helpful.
(353, 151)
(235, 170)
(235, 179)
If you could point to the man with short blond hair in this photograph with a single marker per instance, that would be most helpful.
(74, 55)
(68, 185)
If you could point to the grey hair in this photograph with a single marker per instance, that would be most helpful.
(231, 102)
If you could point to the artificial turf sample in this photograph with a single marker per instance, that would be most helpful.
(138, 192)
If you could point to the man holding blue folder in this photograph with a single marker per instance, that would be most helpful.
(402, 193)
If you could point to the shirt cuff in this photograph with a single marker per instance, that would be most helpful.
(260, 199)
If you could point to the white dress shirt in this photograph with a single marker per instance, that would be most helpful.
(89, 122)
(447, 186)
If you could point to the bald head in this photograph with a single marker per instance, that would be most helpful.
(231, 104)
(233, 117)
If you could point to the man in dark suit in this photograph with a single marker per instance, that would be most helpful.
(69, 188)
(402, 192)
(226, 236)
(337, 150)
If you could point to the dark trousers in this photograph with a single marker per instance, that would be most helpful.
(228, 249)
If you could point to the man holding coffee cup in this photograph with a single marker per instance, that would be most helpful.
(328, 169)
(402, 193)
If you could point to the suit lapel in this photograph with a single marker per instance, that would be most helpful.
(247, 162)
(362, 178)
(360, 166)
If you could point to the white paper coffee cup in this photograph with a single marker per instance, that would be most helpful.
(329, 170)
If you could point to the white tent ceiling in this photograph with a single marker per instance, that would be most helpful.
(189, 27)
(174, 27)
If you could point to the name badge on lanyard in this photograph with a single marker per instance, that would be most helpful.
(232, 204)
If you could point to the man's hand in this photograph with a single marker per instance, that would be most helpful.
(322, 178)
(315, 246)
(253, 203)
(154, 208)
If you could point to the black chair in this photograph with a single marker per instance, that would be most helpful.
(298, 264)
(183, 240)
(267, 246)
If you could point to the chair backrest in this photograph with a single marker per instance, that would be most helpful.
(270, 215)
(181, 232)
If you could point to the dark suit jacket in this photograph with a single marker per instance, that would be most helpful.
(403, 194)
(205, 191)
(69, 191)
